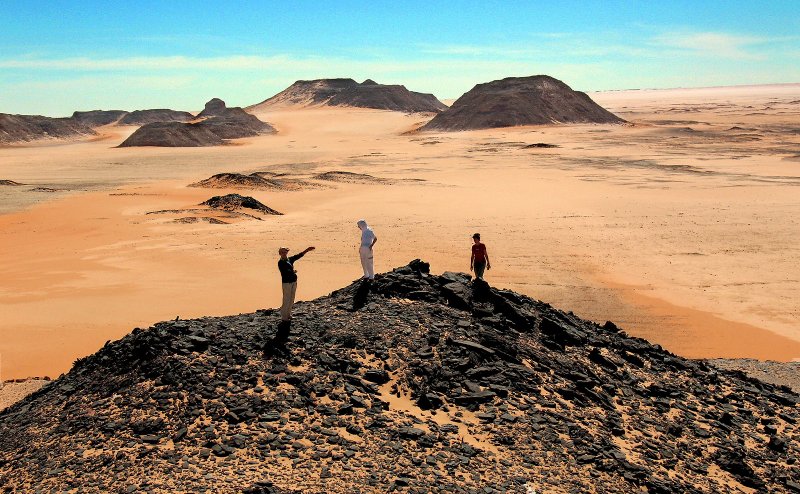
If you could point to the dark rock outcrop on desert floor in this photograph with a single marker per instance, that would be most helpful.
(347, 92)
(235, 202)
(220, 123)
(414, 383)
(534, 100)
(143, 117)
(26, 128)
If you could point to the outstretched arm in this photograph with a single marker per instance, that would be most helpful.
(298, 256)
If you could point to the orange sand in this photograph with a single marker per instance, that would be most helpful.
(686, 238)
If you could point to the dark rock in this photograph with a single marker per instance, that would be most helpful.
(458, 295)
(234, 202)
(471, 345)
(378, 376)
(479, 397)
(561, 333)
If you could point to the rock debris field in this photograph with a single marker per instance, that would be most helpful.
(412, 383)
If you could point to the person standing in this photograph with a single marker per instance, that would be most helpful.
(368, 240)
(288, 280)
(480, 257)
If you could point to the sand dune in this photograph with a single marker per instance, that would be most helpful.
(686, 238)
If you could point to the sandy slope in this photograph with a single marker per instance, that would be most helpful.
(679, 229)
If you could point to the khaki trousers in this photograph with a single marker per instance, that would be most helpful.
(289, 290)
(367, 262)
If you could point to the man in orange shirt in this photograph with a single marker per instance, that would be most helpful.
(480, 258)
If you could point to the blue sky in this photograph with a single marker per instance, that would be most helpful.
(59, 56)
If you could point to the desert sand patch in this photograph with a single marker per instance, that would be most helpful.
(694, 205)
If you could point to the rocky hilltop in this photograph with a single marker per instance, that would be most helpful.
(26, 128)
(347, 92)
(218, 123)
(535, 100)
(412, 383)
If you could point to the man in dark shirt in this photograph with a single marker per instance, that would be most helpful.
(480, 258)
(289, 280)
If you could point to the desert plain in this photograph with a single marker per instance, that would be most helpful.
(682, 227)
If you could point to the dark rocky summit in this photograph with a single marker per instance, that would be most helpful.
(347, 92)
(96, 118)
(535, 100)
(412, 383)
(10, 183)
(143, 117)
(26, 128)
(219, 123)
(215, 107)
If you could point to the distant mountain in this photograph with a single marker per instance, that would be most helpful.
(25, 128)
(219, 123)
(535, 100)
(347, 92)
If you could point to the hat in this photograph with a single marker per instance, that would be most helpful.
(477, 235)
(283, 249)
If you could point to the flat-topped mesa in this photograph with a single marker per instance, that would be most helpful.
(219, 123)
(347, 92)
(144, 117)
(522, 393)
(534, 100)
(97, 118)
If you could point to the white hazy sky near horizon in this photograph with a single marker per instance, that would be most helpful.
(63, 56)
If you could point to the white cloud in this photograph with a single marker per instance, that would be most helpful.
(717, 44)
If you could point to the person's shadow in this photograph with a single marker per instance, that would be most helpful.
(276, 346)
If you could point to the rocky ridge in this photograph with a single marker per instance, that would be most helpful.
(347, 92)
(534, 100)
(412, 383)
(26, 128)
